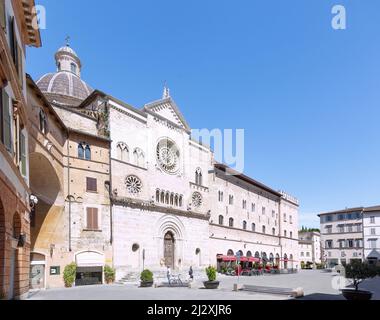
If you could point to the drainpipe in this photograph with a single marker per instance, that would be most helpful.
(68, 188)
(110, 173)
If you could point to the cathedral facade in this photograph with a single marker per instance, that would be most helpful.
(130, 188)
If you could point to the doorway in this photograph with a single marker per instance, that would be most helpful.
(169, 246)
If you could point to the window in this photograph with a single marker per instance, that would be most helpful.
(372, 219)
(139, 157)
(350, 243)
(43, 122)
(231, 222)
(329, 229)
(302, 254)
(221, 220)
(244, 225)
(291, 235)
(84, 151)
(253, 227)
(253, 207)
(6, 122)
(290, 219)
(329, 244)
(373, 231)
(73, 68)
(359, 228)
(341, 228)
(358, 243)
(92, 219)
(87, 153)
(122, 152)
(263, 210)
(231, 200)
(220, 196)
(198, 177)
(91, 185)
(273, 214)
(284, 217)
(307, 254)
(349, 228)
(285, 234)
(328, 218)
(264, 229)
(22, 154)
(341, 217)
(244, 204)
(80, 151)
(3, 19)
(273, 231)
(373, 243)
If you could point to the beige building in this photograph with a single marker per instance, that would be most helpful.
(69, 173)
(310, 248)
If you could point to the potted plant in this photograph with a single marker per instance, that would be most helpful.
(109, 274)
(211, 275)
(358, 271)
(146, 278)
(69, 274)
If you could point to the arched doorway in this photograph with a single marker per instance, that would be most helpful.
(264, 258)
(249, 254)
(291, 262)
(37, 270)
(285, 261)
(169, 248)
(230, 253)
(2, 244)
(277, 261)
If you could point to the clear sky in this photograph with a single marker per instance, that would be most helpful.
(307, 96)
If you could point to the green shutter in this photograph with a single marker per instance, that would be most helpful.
(7, 122)
(22, 154)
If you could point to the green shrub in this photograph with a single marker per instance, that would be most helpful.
(211, 273)
(69, 275)
(109, 274)
(146, 276)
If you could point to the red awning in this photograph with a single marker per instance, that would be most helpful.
(253, 259)
(226, 258)
(242, 259)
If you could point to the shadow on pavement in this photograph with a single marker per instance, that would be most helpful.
(322, 296)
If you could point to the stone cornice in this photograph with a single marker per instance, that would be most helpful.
(152, 206)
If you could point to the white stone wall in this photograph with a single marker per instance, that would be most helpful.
(147, 229)
(368, 226)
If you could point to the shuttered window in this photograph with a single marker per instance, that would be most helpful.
(22, 154)
(6, 122)
(92, 219)
(19, 66)
(3, 18)
(92, 185)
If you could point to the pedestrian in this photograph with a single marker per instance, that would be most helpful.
(191, 273)
(168, 273)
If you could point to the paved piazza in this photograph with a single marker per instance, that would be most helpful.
(316, 284)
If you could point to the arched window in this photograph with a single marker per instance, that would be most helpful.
(80, 151)
(264, 229)
(157, 195)
(180, 201)
(122, 152)
(291, 234)
(241, 254)
(162, 197)
(231, 222)
(139, 157)
(273, 231)
(73, 68)
(167, 198)
(172, 199)
(176, 198)
(244, 225)
(198, 177)
(253, 227)
(43, 122)
(87, 152)
(221, 220)
(285, 234)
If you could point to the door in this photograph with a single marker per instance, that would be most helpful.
(37, 276)
(169, 250)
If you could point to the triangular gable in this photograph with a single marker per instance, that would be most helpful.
(167, 109)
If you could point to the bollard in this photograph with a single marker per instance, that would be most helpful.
(298, 293)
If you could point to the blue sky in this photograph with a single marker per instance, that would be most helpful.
(307, 96)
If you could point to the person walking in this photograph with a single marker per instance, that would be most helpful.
(191, 273)
(168, 273)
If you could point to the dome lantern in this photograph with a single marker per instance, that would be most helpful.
(67, 60)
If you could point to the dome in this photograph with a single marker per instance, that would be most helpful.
(65, 85)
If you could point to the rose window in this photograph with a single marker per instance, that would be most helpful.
(133, 184)
(168, 156)
(197, 199)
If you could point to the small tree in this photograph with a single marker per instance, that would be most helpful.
(359, 271)
(69, 275)
(211, 273)
(109, 274)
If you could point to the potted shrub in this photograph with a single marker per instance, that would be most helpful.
(358, 271)
(109, 274)
(211, 275)
(146, 278)
(69, 274)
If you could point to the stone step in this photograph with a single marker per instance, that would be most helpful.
(274, 290)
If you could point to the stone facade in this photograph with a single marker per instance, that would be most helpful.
(310, 248)
(16, 33)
